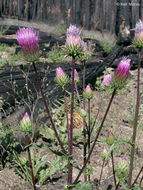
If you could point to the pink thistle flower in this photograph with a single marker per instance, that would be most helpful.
(72, 30)
(59, 72)
(123, 69)
(26, 116)
(61, 77)
(88, 92)
(88, 88)
(73, 40)
(138, 39)
(107, 79)
(28, 40)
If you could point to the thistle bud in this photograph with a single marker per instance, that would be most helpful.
(138, 39)
(61, 77)
(121, 168)
(25, 123)
(88, 94)
(104, 153)
(110, 139)
(107, 79)
(28, 40)
(83, 113)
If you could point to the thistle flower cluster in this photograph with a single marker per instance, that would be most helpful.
(28, 40)
(74, 43)
(138, 39)
(61, 77)
(25, 124)
(88, 94)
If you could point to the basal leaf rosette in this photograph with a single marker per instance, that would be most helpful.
(138, 39)
(28, 40)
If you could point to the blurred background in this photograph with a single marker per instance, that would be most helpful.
(100, 15)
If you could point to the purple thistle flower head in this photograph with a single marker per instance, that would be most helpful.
(28, 40)
(88, 94)
(107, 79)
(72, 30)
(25, 123)
(59, 72)
(123, 69)
(110, 134)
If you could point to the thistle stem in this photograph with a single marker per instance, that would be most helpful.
(66, 110)
(113, 169)
(48, 111)
(30, 162)
(71, 123)
(101, 171)
(88, 133)
(135, 121)
(97, 135)
(78, 96)
(84, 124)
(137, 177)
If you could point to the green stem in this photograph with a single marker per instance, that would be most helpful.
(135, 121)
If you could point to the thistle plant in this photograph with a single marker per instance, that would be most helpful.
(138, 43)
(26, 127)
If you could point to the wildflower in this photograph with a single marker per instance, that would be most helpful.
(73, 42)
(110, 139)
(28, 40)
(107, 79)
(138, 39)
(88, 92)
(61, 77)
(121, 73)
(121, 168)
(104, 153)
(72, 30)
(25, 123)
